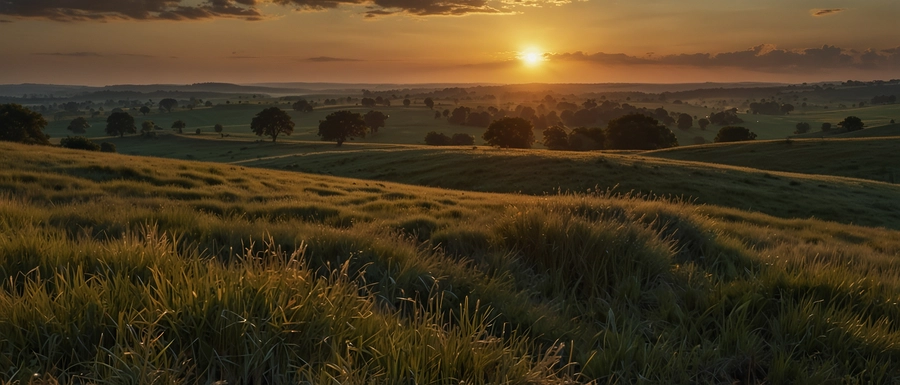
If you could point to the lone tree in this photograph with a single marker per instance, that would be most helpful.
(179, 125)
(510, 132)
(302, 106)
(342, 125)
(802, 128)
(406, 102)
(19, 124)
(145, 110)
(826, 127)
(429, 102)
(168, 104)
(852, 123)
(218, 127)
(272, 121)
(147, 128)
(638, 132)
(685, 121)
(78, 125)
(375, 120)
(734, 134)
(120, 123)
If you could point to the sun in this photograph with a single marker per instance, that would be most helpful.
(531, 58)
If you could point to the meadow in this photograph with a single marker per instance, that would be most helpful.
(132, 269)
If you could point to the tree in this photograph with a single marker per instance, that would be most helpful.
(703, 122)
(685, 121)
(852, 123)
(107, 147)
(733, 134)
(78, 143)
(179, 125)
(434, 139)
(342, 125)
(510, 132)
(638, 132)
(147, 128)
(271, 122)
(556, 138)
(218, 127)
(406, 102)
(120, 123)
(78, 125)
(19, 124)
(826, 127)
(168, 104)
(302, 106)
(145, 110)
(367, 102)
(802, 128)
(586, 139)
(429, 103)
(375, 120)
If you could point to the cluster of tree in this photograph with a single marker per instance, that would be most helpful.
(579, 139)
(375, 120)
(725, 118)
(884, 99)
(770, 108)
(510, 132)
(734, 134)
(465, 116)
(302, 106)
(369, 102)
(630, 132)
(330, 102)
(439, 139)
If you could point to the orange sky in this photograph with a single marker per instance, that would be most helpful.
(98, 42)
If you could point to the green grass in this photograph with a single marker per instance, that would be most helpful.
(870, 158)
(122, 269)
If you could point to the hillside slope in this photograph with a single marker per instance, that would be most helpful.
(129, 269)
(875, 159)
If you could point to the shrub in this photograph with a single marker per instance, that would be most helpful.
(78, 143)
(802, 128)
(107, 147)
(435, 139)
(460, 139)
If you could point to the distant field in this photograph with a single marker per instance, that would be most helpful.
(123, 269)
(872, 158)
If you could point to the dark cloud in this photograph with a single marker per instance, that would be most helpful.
(102, 10)
(324, 59)
(764, 57)
(825, 12)
(5, 21)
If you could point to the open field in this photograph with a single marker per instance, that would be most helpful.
(408, 125)
(871, 158)
(135, 269)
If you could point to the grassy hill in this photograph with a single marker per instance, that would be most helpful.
(539, 172)
(135, 269)
(869, 158)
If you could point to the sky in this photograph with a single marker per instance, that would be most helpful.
(103, 42)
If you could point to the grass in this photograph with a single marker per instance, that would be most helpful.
(870, 158)
(122, 269)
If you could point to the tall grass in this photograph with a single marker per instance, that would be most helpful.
(266, 279)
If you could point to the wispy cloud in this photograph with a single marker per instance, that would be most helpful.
(69, 54)
(825, 12)
(330, 59)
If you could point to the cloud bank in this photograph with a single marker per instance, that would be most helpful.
(185, 10)
(764, 58)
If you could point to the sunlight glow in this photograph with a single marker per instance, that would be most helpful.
(531, 58)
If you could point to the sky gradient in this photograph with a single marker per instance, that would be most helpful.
(101, 42)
